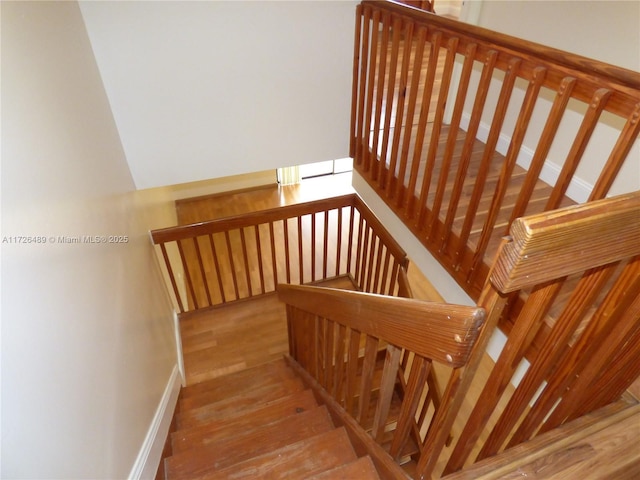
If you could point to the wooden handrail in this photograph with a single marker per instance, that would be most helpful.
(441, 332)
(250, 219)
(568, 241)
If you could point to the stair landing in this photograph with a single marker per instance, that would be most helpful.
(236, 336)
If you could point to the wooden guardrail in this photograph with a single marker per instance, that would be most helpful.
(442, 128)
(228, 259)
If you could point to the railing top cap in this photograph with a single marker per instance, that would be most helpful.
(613, 73)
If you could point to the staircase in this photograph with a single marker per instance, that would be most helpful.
(259, 423)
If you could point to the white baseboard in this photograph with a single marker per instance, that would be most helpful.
(148, 460)
(578, 190)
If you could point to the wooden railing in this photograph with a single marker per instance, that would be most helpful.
(591, 353)
(447, 128)
(588, 360)
(335, 337)
(229, 259)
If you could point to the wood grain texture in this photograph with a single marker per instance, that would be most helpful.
(248, 443)
(570, 240)
(296, 461)
(442, 332)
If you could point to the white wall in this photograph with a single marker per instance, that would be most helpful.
(214, 88)
(87, 329)
(604, 30)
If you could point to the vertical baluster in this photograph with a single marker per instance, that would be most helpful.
(329, 337)
(370, 261)
(380, 93)
(356, 79)
(389, 374)
(411, 400)
(274, 261)
(507, 169)
(452, 47)
(351, 237)
(172, 277)
(378, 269)
(367, 154)
(543, 367)
(287, 255)
(339, 363)
(359, 250)
(234, 275)
(489, 151)
(300, 252)
(522, 334)
(433, 396)
(318, 347)
(325, 245)
(339, 242)
(432, 68)
(588, 125)
(470, 140)
(351, 385)
(390, 94)
(384, 279)
(367, 247)
(187, 273)
(394, 276)
(454, 129)
(400, 106)
(216, 264)
(544, 145)
(259, 251)
(313, 246)
(622, 371)
(610, 339)
(205, 282)
(413, 97)
(620, 151)
(245, 258)
(364, 59)
(368, 369)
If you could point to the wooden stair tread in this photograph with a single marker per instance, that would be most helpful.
(300, 460)
(262, 414)
(233, 405)
(361, 469)
(248, 444)
(234, 383)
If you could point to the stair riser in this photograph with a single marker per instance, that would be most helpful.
(221, 453)
(198, 436)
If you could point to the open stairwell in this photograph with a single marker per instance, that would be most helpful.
(259, 423)
(366, 409)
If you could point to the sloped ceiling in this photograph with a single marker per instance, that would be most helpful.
(214, 88)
